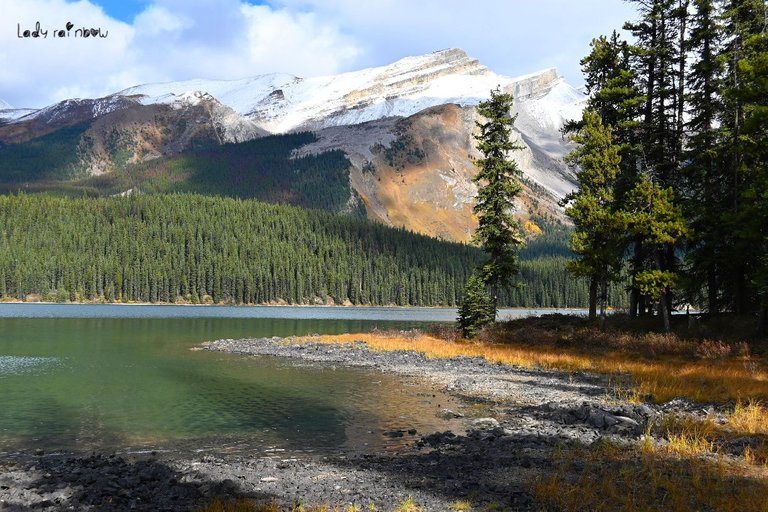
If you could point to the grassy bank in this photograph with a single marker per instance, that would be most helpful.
(685, 461)
(644, 366)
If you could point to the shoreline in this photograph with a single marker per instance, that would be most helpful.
(528, 415)
(324, 306)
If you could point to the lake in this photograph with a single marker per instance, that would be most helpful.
(116, 377)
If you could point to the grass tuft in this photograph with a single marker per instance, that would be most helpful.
(409, 505)
(461, 506)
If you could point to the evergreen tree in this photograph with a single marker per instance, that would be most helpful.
(613, 94)
(477, 308)
(744, 148)
(659, 62)
(498, 233)
(655, 219)
(704, 181)
(598, 239)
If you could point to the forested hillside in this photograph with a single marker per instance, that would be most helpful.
(261, 168)
(194, 248)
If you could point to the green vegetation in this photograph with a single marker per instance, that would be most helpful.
(196, 248)
(597, 239)
(498, 232)
(686, 102)
(193, 248)
(259, 169)
(476, 307)
(50, 157)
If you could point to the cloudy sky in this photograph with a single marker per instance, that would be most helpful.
(163, 40)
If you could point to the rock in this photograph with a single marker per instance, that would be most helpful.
(485, 423)
(627, 421)
(449, 414)
(609, 419)
(269, 479)
(596, 418)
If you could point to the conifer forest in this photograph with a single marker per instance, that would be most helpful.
(672, 159)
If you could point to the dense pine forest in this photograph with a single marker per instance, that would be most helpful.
(672, 159)
(201, 249)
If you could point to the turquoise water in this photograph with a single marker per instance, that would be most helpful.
(116, 377)
(85, 383)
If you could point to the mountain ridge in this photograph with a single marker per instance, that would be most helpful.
(406, 129)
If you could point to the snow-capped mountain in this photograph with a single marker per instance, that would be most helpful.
(383, 118)
(282, 102)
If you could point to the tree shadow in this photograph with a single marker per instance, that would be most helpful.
(108, 482)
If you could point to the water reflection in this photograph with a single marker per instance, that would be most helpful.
(107, 383)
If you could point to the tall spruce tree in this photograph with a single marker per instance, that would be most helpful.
(498, 233)
(659, 62)
(704, 183)
(599, 236)
(747, 95)
(743, 149)
(653, 216)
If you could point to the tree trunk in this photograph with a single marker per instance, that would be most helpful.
(683, 17)
(592, 298)
(634, 301)
(713, 306)
(634, 293)
(665, 295)
(762, 323)
(495, 299)
(603, 301)
(664, 310)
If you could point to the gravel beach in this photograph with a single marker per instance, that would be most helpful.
(528, 413)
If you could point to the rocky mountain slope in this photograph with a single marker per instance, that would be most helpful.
(406, 129)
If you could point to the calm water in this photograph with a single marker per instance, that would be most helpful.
(117, 382)
(83, 377)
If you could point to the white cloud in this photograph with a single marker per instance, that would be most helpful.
(34, 71)
(512, 37)
(182, 39)
(169, 40)
(295, 42)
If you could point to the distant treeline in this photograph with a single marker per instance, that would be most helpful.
(192, 248)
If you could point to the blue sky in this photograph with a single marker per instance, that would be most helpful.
(124, 10)
(164, 40)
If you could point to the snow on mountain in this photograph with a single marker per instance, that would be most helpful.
(281, 102)
(9, 114)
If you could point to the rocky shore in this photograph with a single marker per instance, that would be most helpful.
(530, 413)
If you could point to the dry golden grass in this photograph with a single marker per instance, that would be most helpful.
(691, 471)
(660, 367)
(409, 505)
(749, 417)
(461, 506)
(690, 436)
(608, 478)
